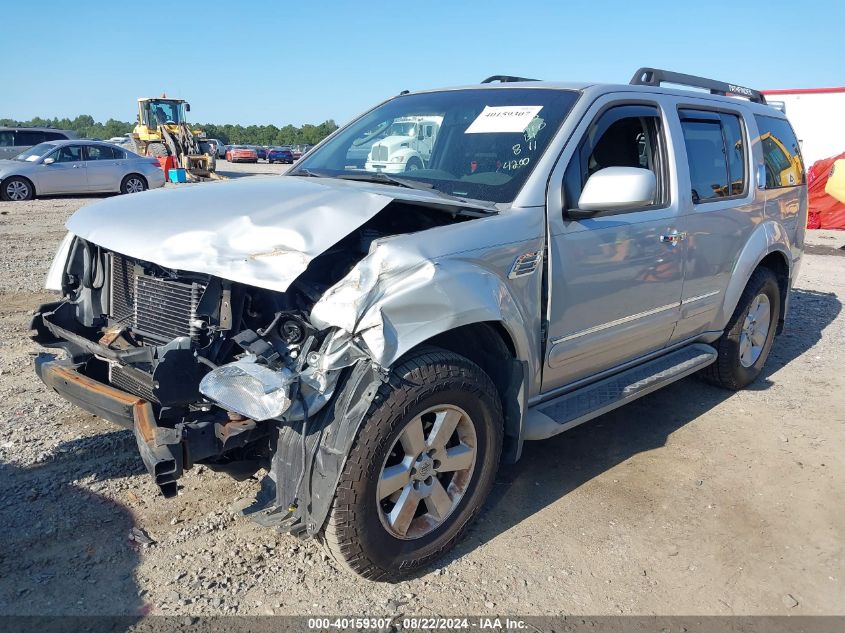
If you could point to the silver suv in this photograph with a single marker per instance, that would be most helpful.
(378, 343)
(14, 140)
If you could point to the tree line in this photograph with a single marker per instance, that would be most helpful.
(86, 127)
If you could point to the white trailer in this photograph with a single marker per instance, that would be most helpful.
(818, 116)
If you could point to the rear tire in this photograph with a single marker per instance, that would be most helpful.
(17, 189)
(747, 340)
(133, 183)
(431, 395)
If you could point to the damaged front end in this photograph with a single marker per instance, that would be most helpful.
(221, 372)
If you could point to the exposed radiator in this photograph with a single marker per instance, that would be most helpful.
(156, 308)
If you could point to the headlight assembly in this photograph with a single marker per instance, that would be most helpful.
(255, 391)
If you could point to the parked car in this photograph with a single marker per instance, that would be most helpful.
(260, 151)
(380, 343)
(300, 150)
(241, 154)
(219, 148)
(126, 142)
(280, 155)
(67, 167)
(14, 140)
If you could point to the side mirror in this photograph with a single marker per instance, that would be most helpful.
(615, 189)
(187, 107)
(49, 161)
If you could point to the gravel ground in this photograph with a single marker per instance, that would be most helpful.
(690, 501)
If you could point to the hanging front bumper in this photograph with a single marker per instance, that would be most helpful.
(160, 447)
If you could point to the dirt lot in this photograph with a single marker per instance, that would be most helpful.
(690, 501)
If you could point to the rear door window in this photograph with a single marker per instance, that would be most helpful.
(781, 153)
(7, 138)
(716, 154)
(102, 152)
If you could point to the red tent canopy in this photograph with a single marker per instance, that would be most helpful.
(826, 212)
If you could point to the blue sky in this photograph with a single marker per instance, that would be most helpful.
(297, 62)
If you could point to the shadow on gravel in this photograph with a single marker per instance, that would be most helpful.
(810, 312)
(65, 550)
(550, 469)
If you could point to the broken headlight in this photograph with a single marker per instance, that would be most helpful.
(246, 387)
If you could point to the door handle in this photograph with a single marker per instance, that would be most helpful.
(675, 237)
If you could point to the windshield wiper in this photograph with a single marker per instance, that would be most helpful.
(302, 171)
(387, 179)
(381, 177)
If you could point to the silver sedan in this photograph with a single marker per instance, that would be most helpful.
(76, 167)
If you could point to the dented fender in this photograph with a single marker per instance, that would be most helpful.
(396, 298)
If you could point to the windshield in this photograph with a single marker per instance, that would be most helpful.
(401, 129)
(34, 153)
(165, 112)
(479, 144)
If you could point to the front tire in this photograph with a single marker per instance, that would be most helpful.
(16, 189)
(420, 469)
(413, 164)
(747, 340)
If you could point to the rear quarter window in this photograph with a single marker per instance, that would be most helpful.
(781, 152)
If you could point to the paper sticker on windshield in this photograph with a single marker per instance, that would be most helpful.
(503, 119)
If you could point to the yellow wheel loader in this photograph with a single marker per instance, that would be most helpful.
(162, 130)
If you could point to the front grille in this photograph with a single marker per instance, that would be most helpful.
(379, 152)
(157, 308)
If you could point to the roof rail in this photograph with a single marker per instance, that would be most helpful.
(505, 79)
(656, 77)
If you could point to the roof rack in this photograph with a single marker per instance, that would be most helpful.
(505, 79)
(656, 77)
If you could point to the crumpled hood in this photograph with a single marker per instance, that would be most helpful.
(259, 231)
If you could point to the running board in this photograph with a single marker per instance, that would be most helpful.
(571, 409)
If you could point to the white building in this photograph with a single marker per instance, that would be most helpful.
(818, 116)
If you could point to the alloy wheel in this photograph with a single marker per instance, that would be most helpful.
(134, 185)
(17, 190)
(755, 330)
(427, 472)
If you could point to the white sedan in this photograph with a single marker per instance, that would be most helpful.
(77, 167)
